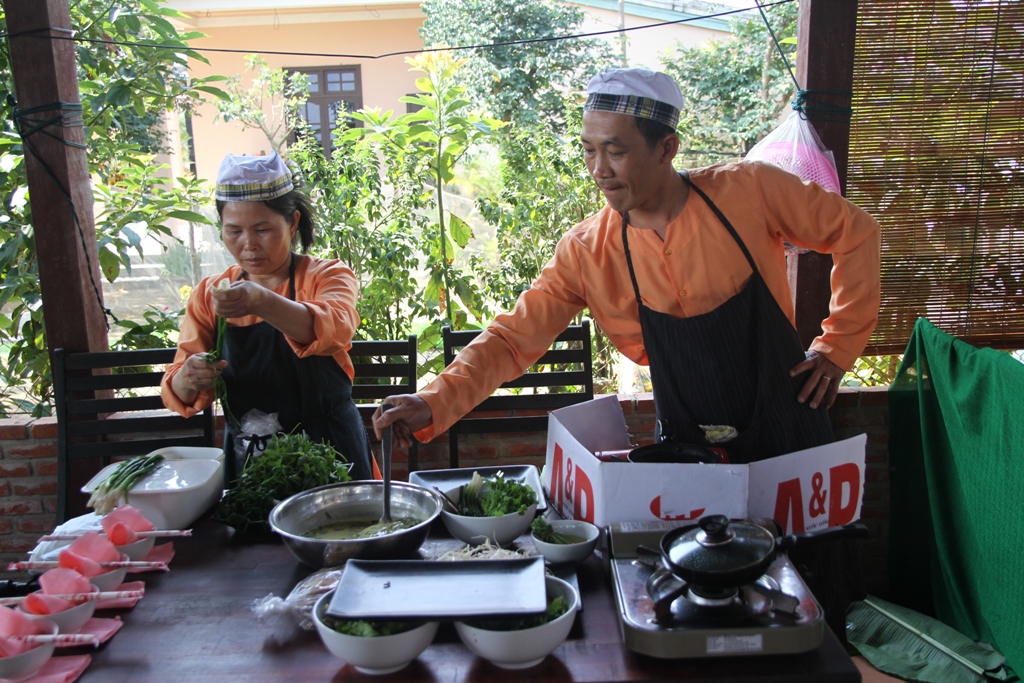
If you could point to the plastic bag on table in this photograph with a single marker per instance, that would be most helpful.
(795, 147)
(299, 603)
(257, 428)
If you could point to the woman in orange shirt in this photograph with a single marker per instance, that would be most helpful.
(291, 318)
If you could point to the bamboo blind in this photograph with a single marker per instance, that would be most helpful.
(936, 156)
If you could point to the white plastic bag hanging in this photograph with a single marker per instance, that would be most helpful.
(795, 147)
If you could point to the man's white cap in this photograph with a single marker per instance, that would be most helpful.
(636, 92)
(253, 179)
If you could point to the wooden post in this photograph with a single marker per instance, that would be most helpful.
(826, 32)
(44, 75)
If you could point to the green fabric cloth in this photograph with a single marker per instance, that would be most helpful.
(956, 451)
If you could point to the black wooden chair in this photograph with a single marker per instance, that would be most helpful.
(109, 407)
(562, 377)
(384, 368)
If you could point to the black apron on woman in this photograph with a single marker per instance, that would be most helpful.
(730, 366)
(311, 394)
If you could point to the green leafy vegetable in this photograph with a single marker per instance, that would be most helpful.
(545, 532)
(494, 497)
(106, 495)
(220, 388)
(371, 629)
(556, 608)
(289, 465)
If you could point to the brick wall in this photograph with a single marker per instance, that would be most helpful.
(28, 469)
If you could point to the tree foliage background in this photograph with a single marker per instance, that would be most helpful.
(498, 126)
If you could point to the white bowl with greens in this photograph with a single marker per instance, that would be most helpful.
(568, 541)
(519, 643)
(372, 647)
(494, 510)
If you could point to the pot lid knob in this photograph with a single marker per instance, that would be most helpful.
(714, 531)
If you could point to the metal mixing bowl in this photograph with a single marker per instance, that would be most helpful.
(353, 500)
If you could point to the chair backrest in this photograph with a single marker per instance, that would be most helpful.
(383, 368)
(561, 377)
(108, 406)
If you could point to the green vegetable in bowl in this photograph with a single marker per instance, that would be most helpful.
(289, 465)
(556, 608)
(543, 531)
(499, 496)
(370, 629)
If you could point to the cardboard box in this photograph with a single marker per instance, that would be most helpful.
(803, 491)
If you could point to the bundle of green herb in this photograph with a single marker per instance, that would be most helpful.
(499, 496)
(220, 389)
(288, 465)
(118, 483)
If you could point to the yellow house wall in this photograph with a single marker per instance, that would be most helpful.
(384, 80)
(645, 46)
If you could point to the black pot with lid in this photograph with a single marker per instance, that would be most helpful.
(718, 552)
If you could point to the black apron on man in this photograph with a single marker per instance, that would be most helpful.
(312, 394)
(730, 366)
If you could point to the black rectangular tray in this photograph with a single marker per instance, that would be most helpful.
(427, 589)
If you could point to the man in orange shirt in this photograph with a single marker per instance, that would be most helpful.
(685, 272)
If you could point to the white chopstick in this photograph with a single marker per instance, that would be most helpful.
(159, 533)
(82, 597)
(61, 639)
(22, 566)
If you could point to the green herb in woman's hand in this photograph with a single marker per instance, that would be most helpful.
(220, 389)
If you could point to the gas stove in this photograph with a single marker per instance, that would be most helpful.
(745, 620)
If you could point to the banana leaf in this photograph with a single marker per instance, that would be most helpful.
(915, 647)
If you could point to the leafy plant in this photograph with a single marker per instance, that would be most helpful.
(124, 87)
(290, 464)
(272, 102)
(494, 497)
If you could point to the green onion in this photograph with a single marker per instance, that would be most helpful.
(125, 476)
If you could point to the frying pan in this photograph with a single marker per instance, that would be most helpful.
(674, 452)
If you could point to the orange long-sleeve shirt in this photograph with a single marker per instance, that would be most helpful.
(695, 270)
(327, 288)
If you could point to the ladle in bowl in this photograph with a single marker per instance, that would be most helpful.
(386, 446)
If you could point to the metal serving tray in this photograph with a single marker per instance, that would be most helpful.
(449, 479)
(427, 589)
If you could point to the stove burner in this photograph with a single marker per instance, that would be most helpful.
(712, 597)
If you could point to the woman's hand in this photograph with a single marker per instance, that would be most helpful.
(242, 298)
(408, 414)
(823, 383)
(196, 375)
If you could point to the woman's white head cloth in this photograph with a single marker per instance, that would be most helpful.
(253, 179)
(636, 92)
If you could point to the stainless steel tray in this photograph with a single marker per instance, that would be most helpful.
(426, 589)
(449, 479)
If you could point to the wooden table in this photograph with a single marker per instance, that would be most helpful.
(196, 624)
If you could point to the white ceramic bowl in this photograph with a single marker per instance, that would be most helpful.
(28, 663)
(527, 647)
(137, 550)
(175, 494)
(556, 553)
(475, 530)
(70, 620)
(373, 655)
(109, 581)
